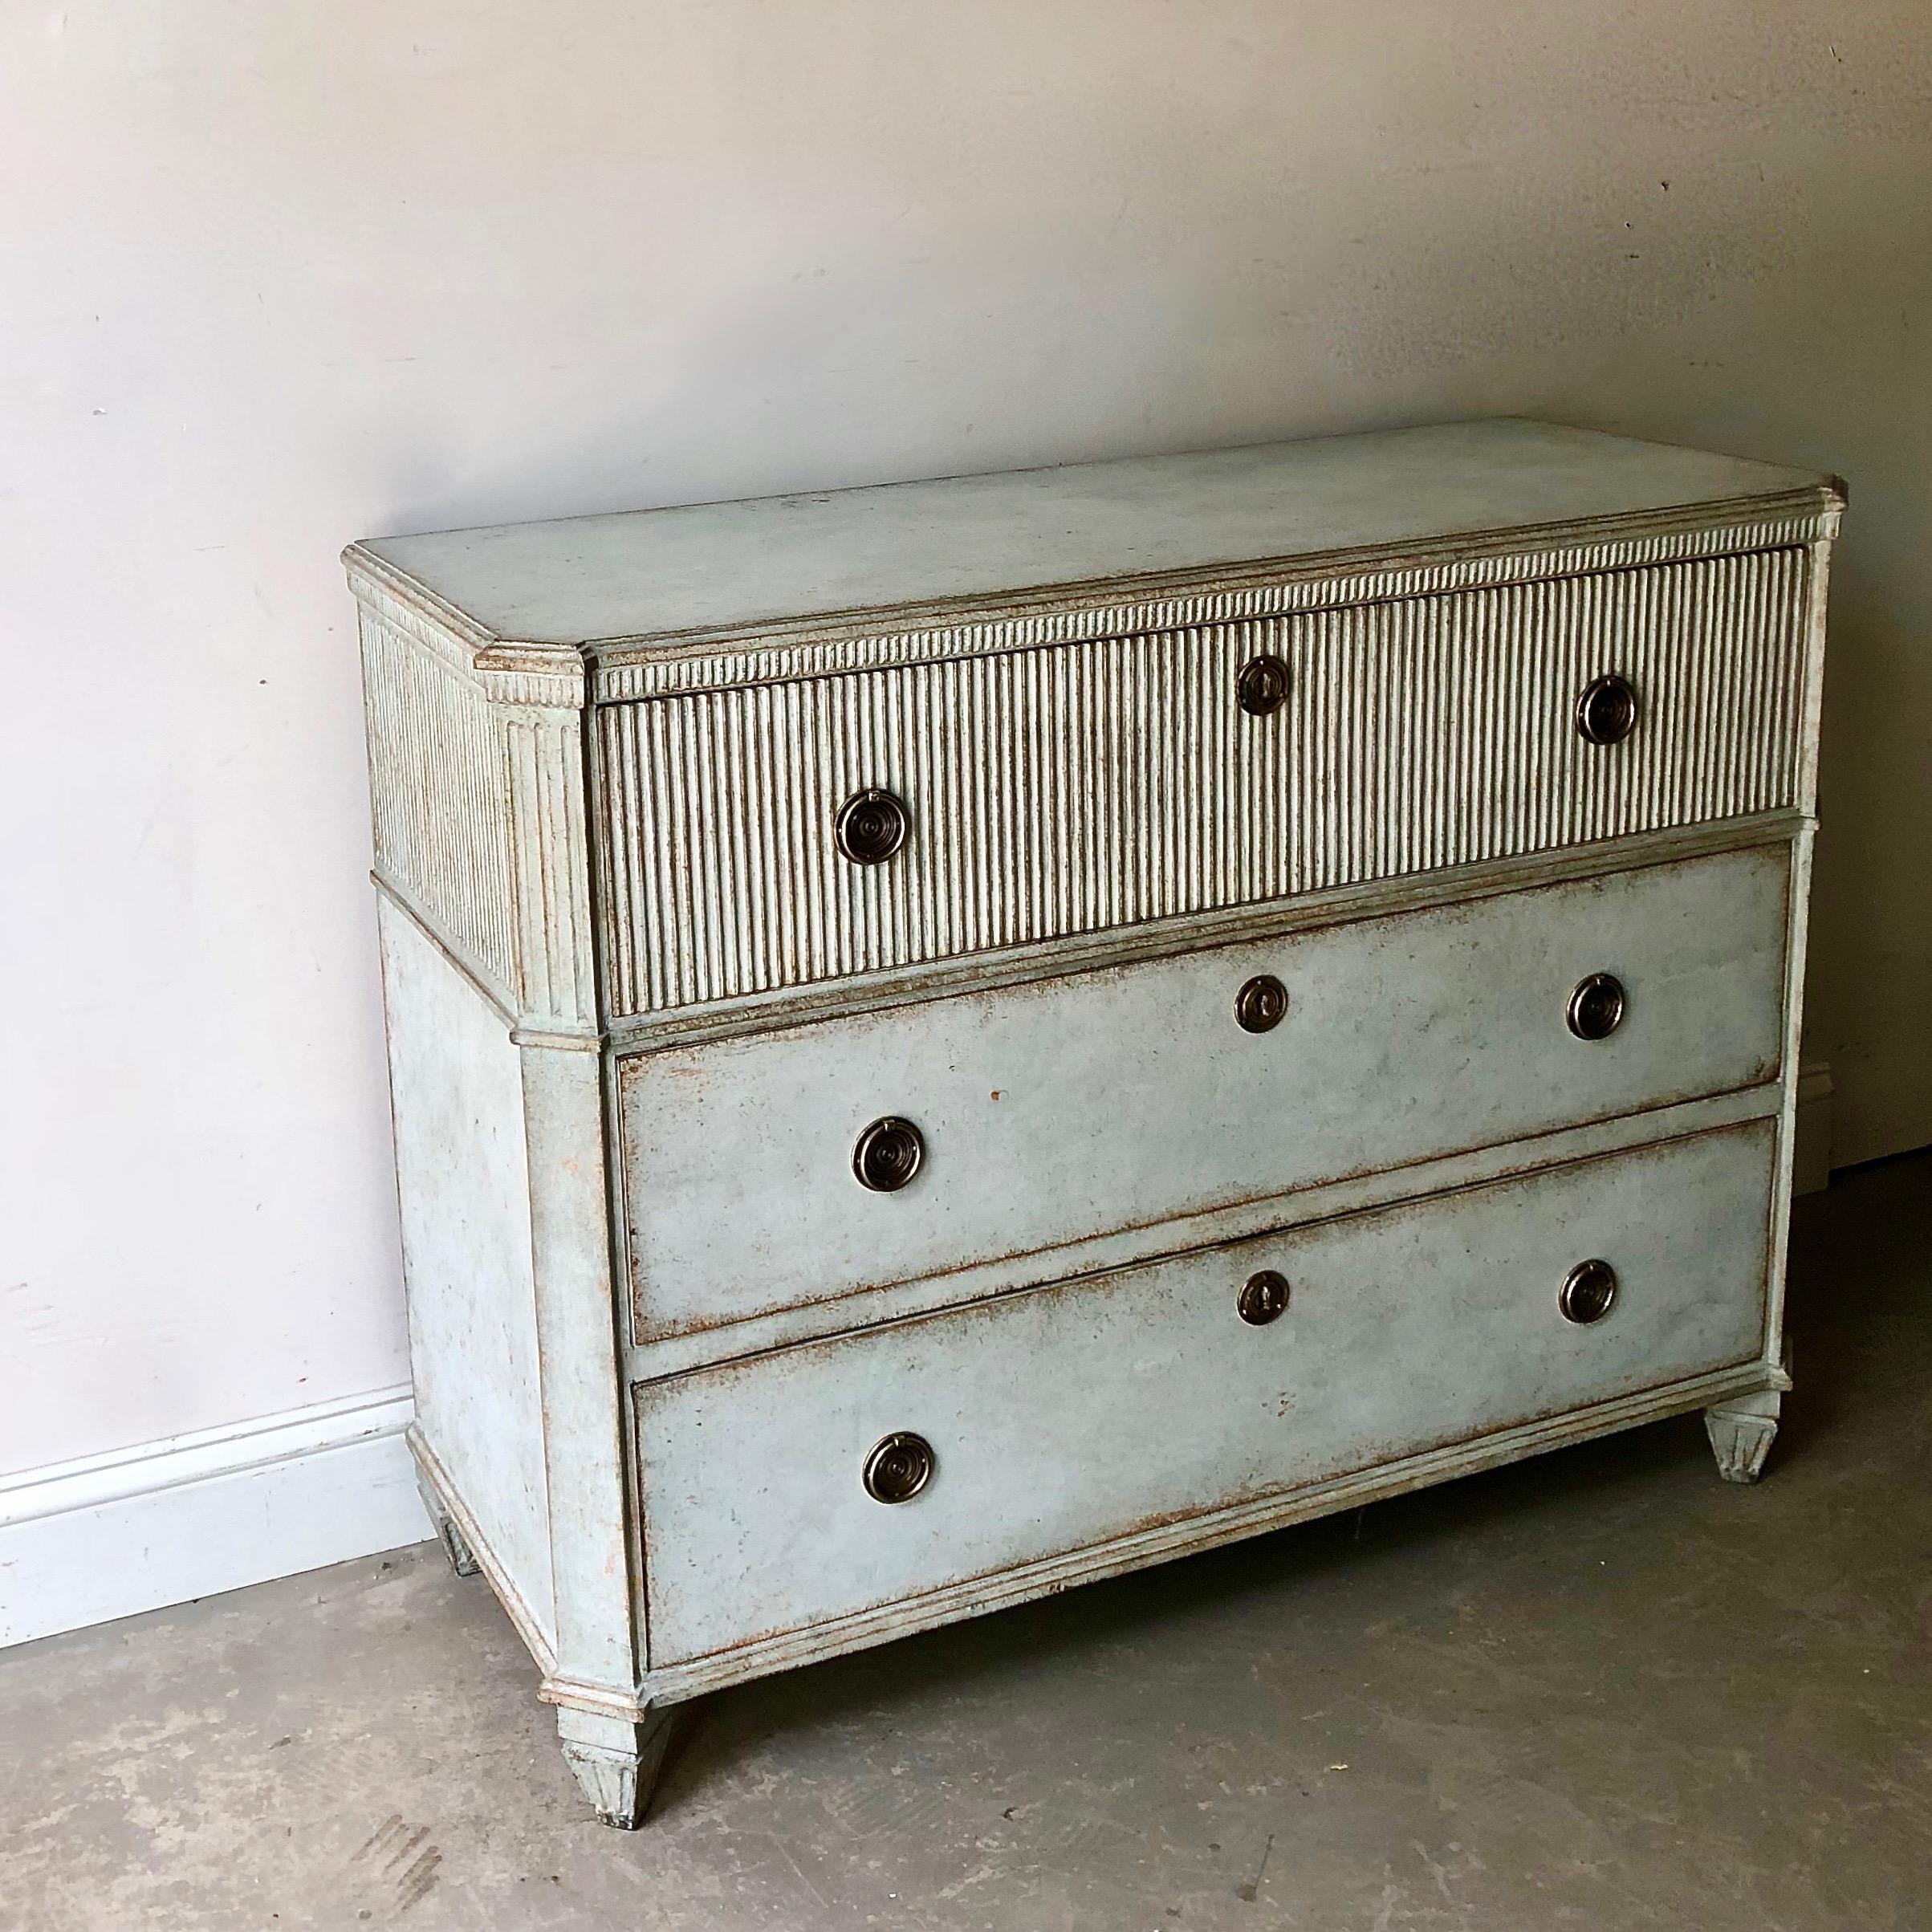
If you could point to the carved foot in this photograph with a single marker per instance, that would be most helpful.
(615, 1762)
(462, 1559)
(1740, 1431)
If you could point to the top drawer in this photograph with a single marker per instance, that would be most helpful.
(1070, 788)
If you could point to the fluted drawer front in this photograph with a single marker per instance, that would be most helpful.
(1072, 788)
(1019, 1120)
(1068, 1415)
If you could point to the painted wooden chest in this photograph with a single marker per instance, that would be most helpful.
(953, 1040)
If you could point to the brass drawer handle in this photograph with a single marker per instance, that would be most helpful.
(1262, 689)
(1261, 1004)
(1606, 712)
(1263, 1296)
(1588, 1290)
(871, 826)
(1596, 1006)
(888, 1154)
(898, 1468)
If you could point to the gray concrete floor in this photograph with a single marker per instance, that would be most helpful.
(1599, 1690)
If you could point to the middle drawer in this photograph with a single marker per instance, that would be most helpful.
(1051, 1113)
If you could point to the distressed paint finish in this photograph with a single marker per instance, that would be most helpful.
(1742, 1431)
(1406, 1038)
(455, 1094)
(1234, 594)
(449, 1533)
(1094, 785)
(597, 1643)
(638, 1012)
(441, 804)
(615, 1760)
(659, 1355)
(715, 580)
(479, 812)
(1068, 1415)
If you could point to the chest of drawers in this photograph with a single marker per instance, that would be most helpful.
(953, 1040)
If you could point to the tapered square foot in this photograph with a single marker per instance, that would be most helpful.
(616, 1762)
(462, 1559)
(1741, 1432)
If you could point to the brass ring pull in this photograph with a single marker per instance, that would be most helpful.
(1261, 1005)
(1596, 1006)
(898, 1467)
(871, 826)
(887, 1154)
(1588, 1292)
(1263, 1296)
(1262, 689)
(1606, 712)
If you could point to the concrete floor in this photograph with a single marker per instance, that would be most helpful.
(1600, 1689)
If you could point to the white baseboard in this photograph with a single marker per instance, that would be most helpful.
(1812, 1137)
(84, 1542)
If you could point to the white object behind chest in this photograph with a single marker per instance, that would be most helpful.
(951, 1039)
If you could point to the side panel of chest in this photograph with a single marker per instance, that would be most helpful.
(1076, 788)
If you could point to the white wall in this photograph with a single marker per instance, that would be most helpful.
(275, 277)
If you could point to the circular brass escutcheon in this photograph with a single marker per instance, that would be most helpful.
(1596, 1006)
(1263, 1296)
(1606, 712)
(898, 1468)
(887, 1154)
(871, 826)
(1262, 689)
(1261, 1004)
(1588, 1292)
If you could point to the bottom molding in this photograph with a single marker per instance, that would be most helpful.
(85, 1542)
(430, 1468)
(674, 1683)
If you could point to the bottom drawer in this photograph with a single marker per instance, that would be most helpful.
(1064, 1416)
